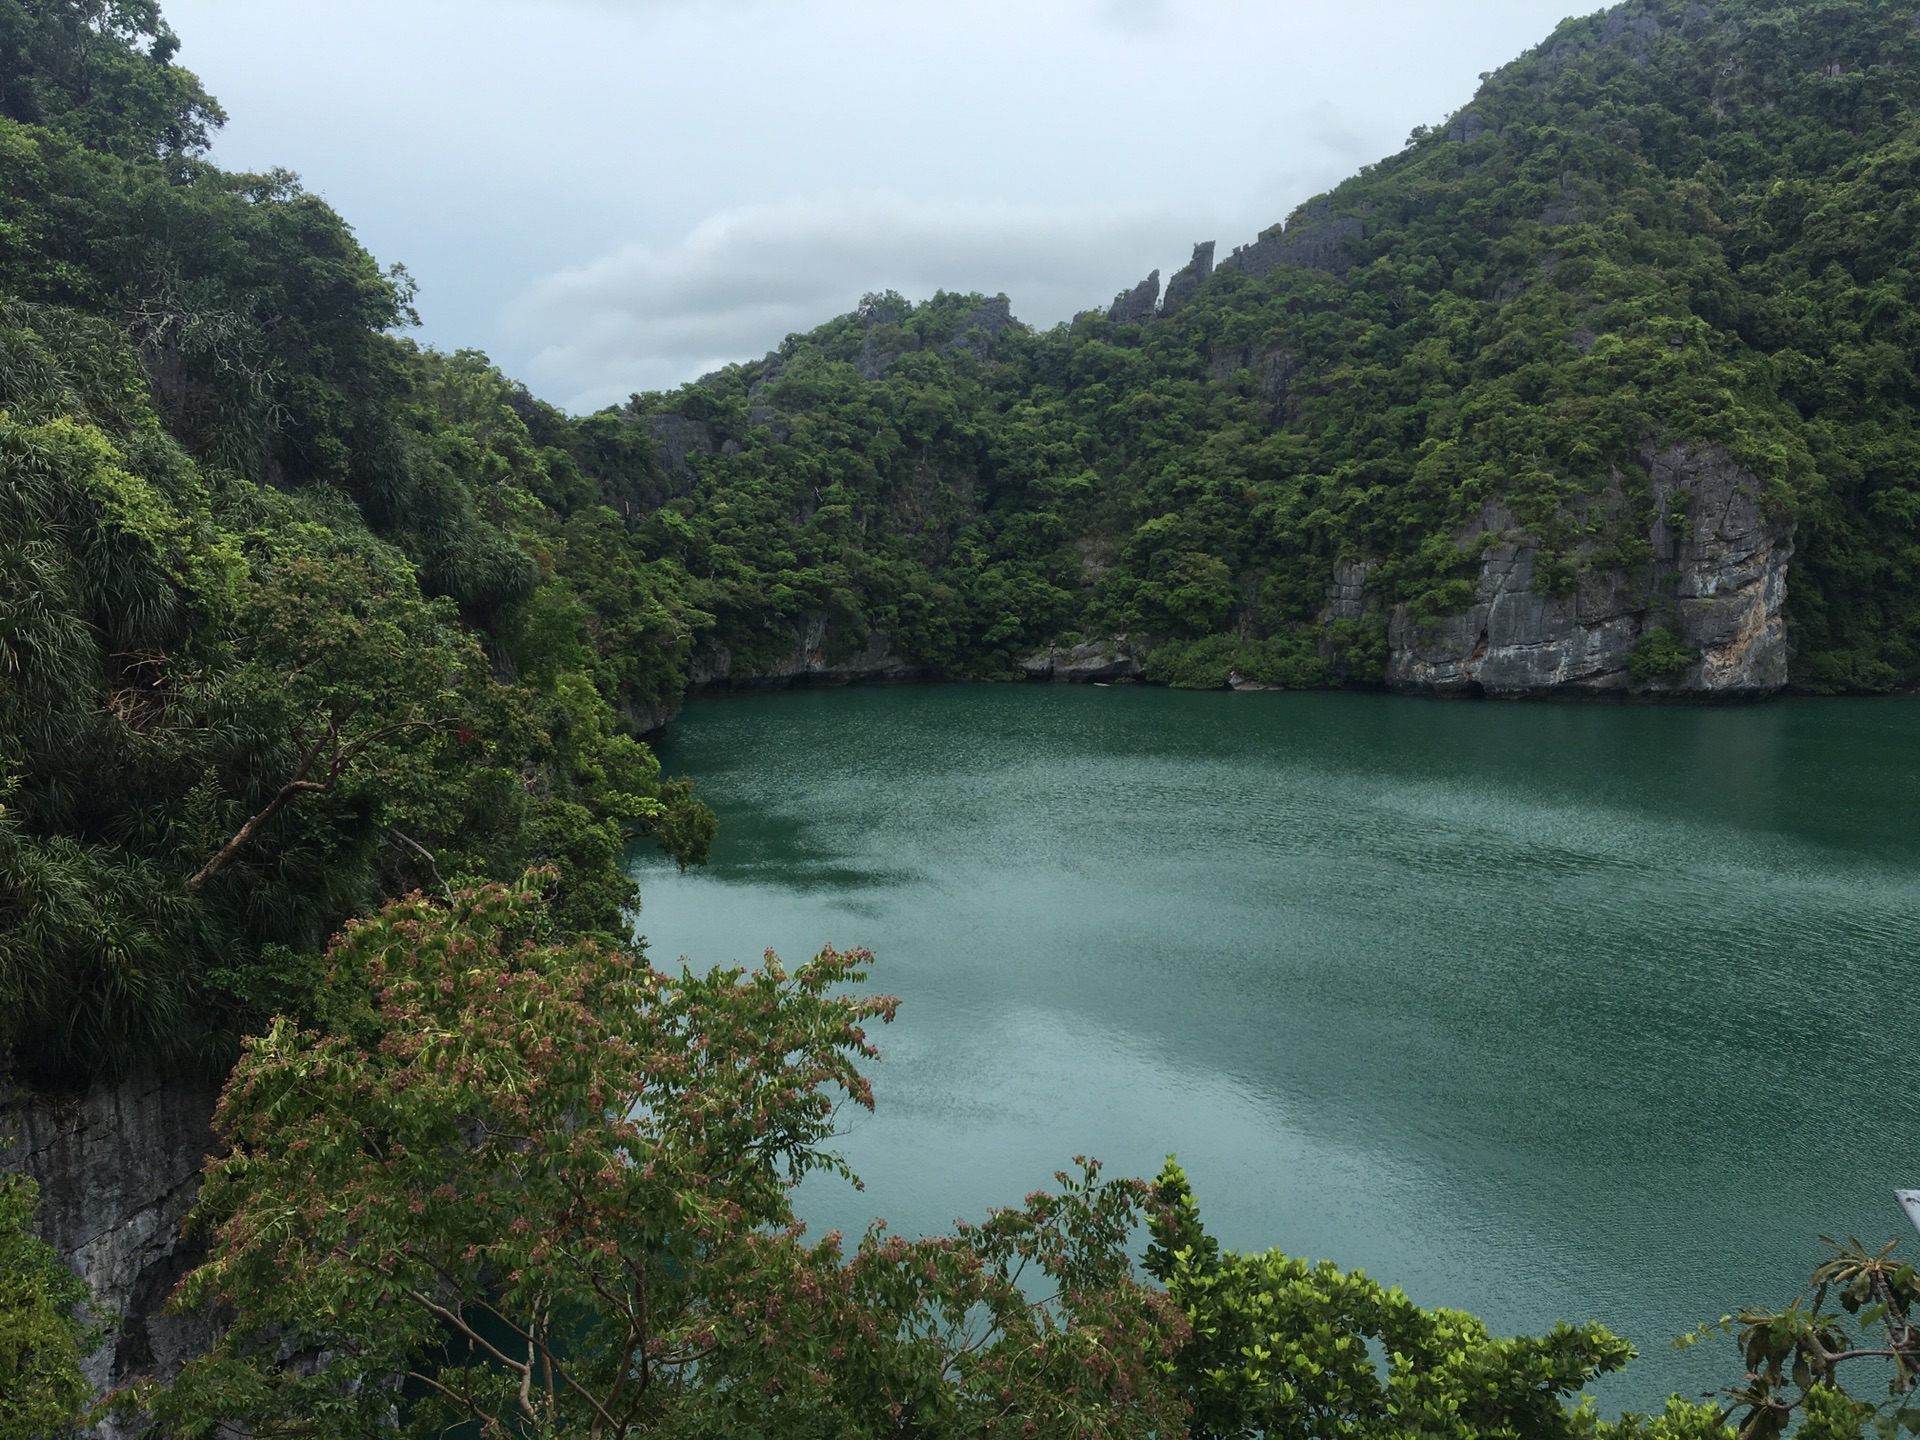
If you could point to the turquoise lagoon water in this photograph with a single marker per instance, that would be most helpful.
(1539, 1011)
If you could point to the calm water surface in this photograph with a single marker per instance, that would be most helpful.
(1543, 1012)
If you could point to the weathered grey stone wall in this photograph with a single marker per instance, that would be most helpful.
(677, 440)
(1718, 580)
(977, 332)
(1186, 283)
(817, 657)
(1138, 305)
(118, 1167)
(1274, 370)
(760, 407)
(1347, 596)
(1315, 239)
(1099, 662)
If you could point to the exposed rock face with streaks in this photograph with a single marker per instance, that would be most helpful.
(818, 656)
(1314, 239)
(977, 332)
(1099, 662)
(1186, 283)
(1138, 305)
(118, 1167)
(678, 440)
(1717, 580)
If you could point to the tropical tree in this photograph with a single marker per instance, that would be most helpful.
(532, 1184)
(102, 69)
(529, 1184)
(1798, 1359)
(1281, 1347)
(42, 1391)
(230, 717)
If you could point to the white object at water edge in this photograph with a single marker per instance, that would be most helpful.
(1910, 1202)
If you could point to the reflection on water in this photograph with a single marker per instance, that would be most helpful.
(1544, 1012)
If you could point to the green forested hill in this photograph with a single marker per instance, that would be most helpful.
(1671, 224)
(295, 616)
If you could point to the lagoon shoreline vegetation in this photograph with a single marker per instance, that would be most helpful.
(326, 663)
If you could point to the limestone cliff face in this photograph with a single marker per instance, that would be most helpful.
(1314, 239)
(649, 718)
(1138, 305)
(676, 441)
(1186, 283)
(817, 657)
(118, 1167)
(1098, 663)
(1717, 580)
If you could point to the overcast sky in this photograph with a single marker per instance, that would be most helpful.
(616, 195)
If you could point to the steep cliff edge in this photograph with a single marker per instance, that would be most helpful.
(1716, 582)
(118, 1166)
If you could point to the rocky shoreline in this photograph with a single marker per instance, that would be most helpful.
(1714, 586)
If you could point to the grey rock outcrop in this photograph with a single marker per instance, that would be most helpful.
(1315, 239)
(814, 659)
(817, 657)
(1619, 25)
(1096, 663)
(1186, 282)
(1718, 580)
(1469, 126)
(1273, 371)
(1137, 306)
(760, 407)
(649, 718)
(883, 342)
(1347, 596)
(1563, 211)
(676, 441)
(874, 359)
(976, 332)
(118, 1167)
(1627, 27)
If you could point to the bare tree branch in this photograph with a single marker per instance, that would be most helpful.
(452, 1317)
(425, 854)
(338, 762)
(244, 836)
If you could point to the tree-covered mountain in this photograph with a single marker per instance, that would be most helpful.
(1587, 375)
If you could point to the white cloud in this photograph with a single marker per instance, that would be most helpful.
(686, 181)
(646, 317)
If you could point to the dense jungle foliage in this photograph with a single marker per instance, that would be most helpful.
(286, 625)
(41, 1340)
(1674, 221)
(308, 632)
(432, 1219)
(1690, 221)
